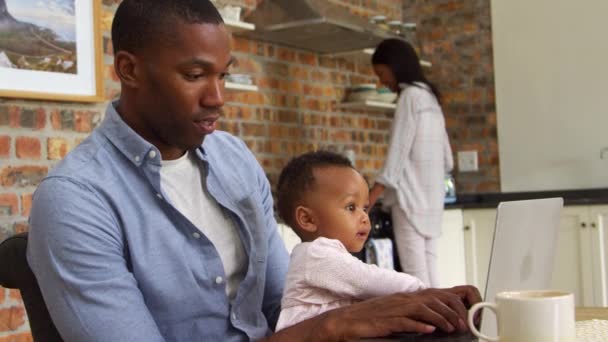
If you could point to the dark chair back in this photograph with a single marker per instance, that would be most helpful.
(15, 273)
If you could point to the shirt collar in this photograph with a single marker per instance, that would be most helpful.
(126, 140)
(131, 144)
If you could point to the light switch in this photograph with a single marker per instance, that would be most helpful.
(467, 161)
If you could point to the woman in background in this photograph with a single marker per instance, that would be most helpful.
(419, 156)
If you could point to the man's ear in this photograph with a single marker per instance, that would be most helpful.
(305, 219)
(125, 66)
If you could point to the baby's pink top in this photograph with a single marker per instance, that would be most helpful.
(323, 276)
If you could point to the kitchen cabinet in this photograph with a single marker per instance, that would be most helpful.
(451, 262)
(580, 265)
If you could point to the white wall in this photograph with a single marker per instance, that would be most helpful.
(551, 69)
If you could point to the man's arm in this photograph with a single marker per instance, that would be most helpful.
(277, 256)
(76, 251)
(421, 311)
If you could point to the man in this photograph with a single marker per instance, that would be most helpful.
(158, 228)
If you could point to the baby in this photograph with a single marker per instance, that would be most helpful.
(325, 200)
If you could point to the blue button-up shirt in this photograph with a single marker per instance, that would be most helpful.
(117, 262)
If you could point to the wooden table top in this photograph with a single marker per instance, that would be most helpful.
(587, 313)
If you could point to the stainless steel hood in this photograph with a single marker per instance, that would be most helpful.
(314, 25)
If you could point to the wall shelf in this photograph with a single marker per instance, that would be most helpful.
(367, 105)
(231, 86)
(238, 26)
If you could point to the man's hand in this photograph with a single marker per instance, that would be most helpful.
(422, 311)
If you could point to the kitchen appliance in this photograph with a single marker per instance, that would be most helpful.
(450, 189)
(314, 25)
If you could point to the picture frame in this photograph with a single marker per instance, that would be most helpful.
(52, 60)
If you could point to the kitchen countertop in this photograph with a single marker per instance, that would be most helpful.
(491, 200)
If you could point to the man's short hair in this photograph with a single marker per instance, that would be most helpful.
(139, 24)
(297, 178)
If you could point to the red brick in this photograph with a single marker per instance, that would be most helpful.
(83, 121)
(21, 227)
(26, 204)
(2, 294)
(22, 175)
(8, 204)
(11, 318)
(13, 113)
(19, 337)
(57, 148)
(307, 58)
(240, 44)
(27, 148)
(252, 129)
(5, 146)
(15, 295)
(55, 119)
(110, 73)
(286, 54)
(299, 73)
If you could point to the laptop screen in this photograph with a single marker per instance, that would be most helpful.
(523, 249)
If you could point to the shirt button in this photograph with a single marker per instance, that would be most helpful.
(136, 158)
(159, 196)
(219, 280)
(152, 154)
(196, 235)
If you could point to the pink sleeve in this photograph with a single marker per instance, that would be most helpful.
(329, 266)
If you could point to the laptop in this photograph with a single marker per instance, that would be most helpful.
(523, 251)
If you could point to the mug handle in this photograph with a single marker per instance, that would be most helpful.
(471, 316)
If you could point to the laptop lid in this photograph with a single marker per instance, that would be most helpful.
(523, 250)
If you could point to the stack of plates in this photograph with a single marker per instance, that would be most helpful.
(369, 92)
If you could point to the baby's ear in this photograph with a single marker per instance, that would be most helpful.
(305, 219)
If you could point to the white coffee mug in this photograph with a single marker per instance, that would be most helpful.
(530, 316)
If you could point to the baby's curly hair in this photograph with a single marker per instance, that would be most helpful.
(297, 178)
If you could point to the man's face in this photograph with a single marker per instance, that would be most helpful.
(181, 86)
(339, 204)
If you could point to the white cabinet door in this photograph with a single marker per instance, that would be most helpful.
(569, 269)
(450, 248)
(478, 236)
(598, 216)
(580, 265)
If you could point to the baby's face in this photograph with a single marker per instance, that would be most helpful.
(339, 203)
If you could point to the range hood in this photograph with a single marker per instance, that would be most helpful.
(314, 25)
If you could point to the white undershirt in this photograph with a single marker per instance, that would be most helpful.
(182, 182)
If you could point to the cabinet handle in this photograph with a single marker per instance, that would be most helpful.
(583, 224)
(593, 225)
(467, 228)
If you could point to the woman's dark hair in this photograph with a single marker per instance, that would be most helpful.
(402, 59)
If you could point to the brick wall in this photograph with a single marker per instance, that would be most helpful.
(456, 36)
(294, 111)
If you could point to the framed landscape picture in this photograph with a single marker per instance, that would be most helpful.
(51, 50)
